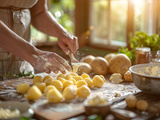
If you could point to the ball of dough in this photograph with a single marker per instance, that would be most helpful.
(131, 101)
(83, 91)
(57, 84)
(89, 82)
(48, 80)
(67, 83)
(80, 83)
(142, 105)
(41, 86)
(49, 87)
(22, 88)
(54, 96)
(33, 93)
(85, 75)
(98, 81)
(37, 79)
(70, 92)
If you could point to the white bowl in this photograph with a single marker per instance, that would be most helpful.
(23, 107)
(146, 77)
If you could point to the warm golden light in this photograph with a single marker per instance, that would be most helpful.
(138, 2)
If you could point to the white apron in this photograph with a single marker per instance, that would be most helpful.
(16, 15)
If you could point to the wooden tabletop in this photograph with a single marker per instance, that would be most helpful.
(68, 109)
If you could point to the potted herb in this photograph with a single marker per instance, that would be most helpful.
(141, 39)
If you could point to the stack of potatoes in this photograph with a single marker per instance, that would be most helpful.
(64, 87)
(116, 64)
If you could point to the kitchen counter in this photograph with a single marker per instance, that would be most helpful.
(68, 109)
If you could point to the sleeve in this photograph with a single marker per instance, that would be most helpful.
(39, 8)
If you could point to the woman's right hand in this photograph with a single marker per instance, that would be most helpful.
(50, 61)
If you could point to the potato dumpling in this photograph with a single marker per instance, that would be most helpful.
(131, 101)
(48, 80)
(57, 84)
(102, 77)
(98, 81)
(49, 87)
(37, 79)
(128, 76)
(88, 59)
(83, 91)
(61, 79)
(72, 79)
(100, 66)
(33, 93)
(77, 78)
(67, 83)
(80, 83)
(89, 82)
(116, 78)
(61, 75)
(85, 75)
(22, 88)
(70, 92)
(41, 86)
(120, 63)
(142, 105)
(54, 96)
(68, 77)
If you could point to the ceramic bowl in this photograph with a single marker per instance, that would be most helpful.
(23, 107)
(146, 77)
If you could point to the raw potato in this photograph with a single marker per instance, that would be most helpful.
(109, 56)
(128, 76)
(98, 81)
(70, 92)
(83, 91)
(33, 93)
(88, 59)
(37, 79)
(41, 86)
(84, 68)
(116, 78)
(22, 88)
(54, 96)
(142, 105)
(131, 101)
(120, 63)
(100, 66)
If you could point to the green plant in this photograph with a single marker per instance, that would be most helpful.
(141, 39)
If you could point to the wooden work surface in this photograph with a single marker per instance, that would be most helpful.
(113, 92)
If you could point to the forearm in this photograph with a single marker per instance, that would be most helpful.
(46, 23)
(15, 44)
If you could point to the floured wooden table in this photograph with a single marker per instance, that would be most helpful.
(68, 109)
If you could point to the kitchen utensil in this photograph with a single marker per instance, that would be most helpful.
(146, 77)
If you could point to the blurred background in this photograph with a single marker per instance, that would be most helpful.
(103, 26)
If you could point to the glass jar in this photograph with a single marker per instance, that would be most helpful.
(143, 55)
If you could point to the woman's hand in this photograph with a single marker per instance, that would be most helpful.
(68, 43)
(49, 61)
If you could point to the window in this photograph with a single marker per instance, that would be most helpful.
(63, 11)
(114, 21)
